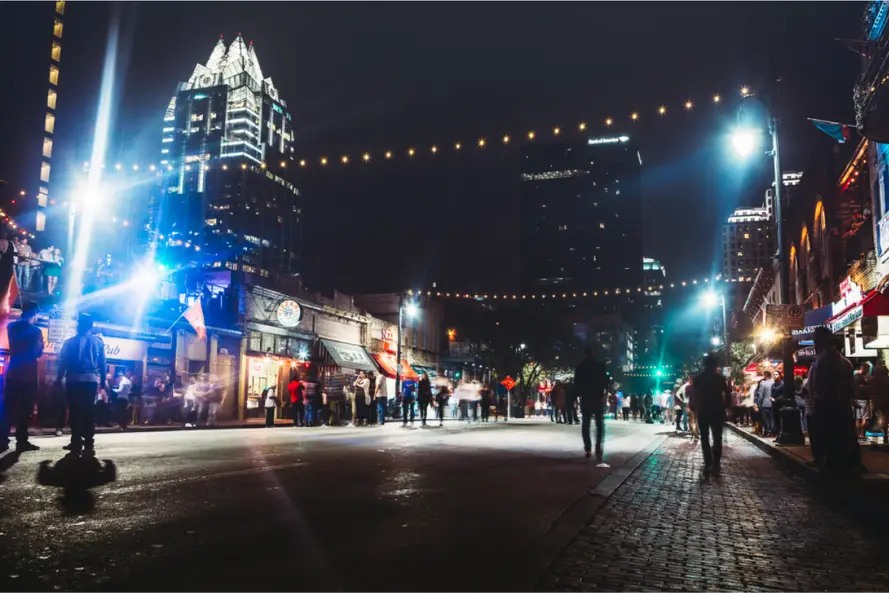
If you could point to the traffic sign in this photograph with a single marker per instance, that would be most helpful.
(786, 316)
(508, 382)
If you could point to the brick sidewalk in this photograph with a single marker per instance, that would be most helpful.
(755, 528)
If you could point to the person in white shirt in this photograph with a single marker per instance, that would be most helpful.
(271, 403)
(122, 397)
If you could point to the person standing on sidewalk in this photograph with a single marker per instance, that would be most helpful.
(297, 408)
(424, 397)
(82, 366)
(764, 403)
(25, 347)
(591, 381)
(362, 399)
(712, 397)
(271, 403)
(382, 397)
(830, 380)
(407, 402)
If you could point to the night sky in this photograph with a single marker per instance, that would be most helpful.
(372, 77)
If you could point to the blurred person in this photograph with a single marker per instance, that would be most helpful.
(679, 404)
(559, 398)
(213, 400)
(362, 398)
(45, 258)
(298, 408)
(879, 392)
(830, 380)
(270, 398)
(441, 399)
(407, 402)
(382, 398)
(485, 401)
(81, 364)
(591, 381)
(764, 401)
(711, 399)
(625, 403)
(349, 399)
(24, 255)
(312, 400)
(8, 259)
(20, 391)
(372, 398)
(860, 382)
(122, 398)
(424, 396)
(53, 270)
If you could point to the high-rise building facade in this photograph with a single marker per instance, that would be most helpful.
(227, 143)
(49, 122)
(581, 218)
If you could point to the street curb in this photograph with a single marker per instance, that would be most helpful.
(786, 459)
(578, 515)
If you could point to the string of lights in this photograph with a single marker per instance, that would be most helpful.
(481, 142)
(628, 292)
(15, 227)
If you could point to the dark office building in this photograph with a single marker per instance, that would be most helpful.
(581, 215)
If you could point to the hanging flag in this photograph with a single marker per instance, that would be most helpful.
(9, 296)
(837, 131)
(195, 316)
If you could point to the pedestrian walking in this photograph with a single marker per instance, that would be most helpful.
(81, 364)
(424, 396)
(830, 380)
(441, 399)
(213, 400)
(407, 402)
(20, 392)
(485, 400)
(371, 409)
(382, 397)
(559, 398)
(297, 407)
(679, 405)
(571, 404)
(712, 397)
(591, 381)
(120, 405)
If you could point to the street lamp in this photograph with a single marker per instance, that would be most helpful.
(791, 429)
(715, 341)
(411, 309)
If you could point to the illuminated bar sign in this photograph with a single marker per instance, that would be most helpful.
(608, 140)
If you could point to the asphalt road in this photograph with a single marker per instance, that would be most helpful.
(453, 508)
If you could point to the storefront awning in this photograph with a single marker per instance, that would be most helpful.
(873, 305)
(419, 369)
(349, 356)
(387, 365)
(814, 319)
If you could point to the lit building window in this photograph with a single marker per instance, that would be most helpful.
(51, 99)
(44, 172)
(56, 51)
(47, 147)
(57, 28)
(60, 7)
(54, 75)
(746, 235)
(601, 225)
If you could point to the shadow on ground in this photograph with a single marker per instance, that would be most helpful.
(76, 475)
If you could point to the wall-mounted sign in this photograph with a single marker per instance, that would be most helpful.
(850, 294)
(848, 318)
(124, 349)
(387, 335)
(289, 313)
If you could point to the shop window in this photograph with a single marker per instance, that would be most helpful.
(255, 341)
(268, 343)
(54, 75)
(51, 99)
(282, 345)
(56, 53)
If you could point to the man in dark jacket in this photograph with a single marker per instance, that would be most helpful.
(25, 347)
(590, 382)
(82, 365)
(712, 397)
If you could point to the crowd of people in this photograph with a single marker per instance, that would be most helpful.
(35, 271)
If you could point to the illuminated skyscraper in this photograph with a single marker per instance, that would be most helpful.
(50, 119)
(581, 215)
(227, 142)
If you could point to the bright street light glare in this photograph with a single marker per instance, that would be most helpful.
(768, 334)
(715, 341)
(521, 346)
(411, 310)
(744, 142)
(711, 299)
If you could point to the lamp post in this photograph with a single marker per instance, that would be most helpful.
(744, 142)
(410, 309)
